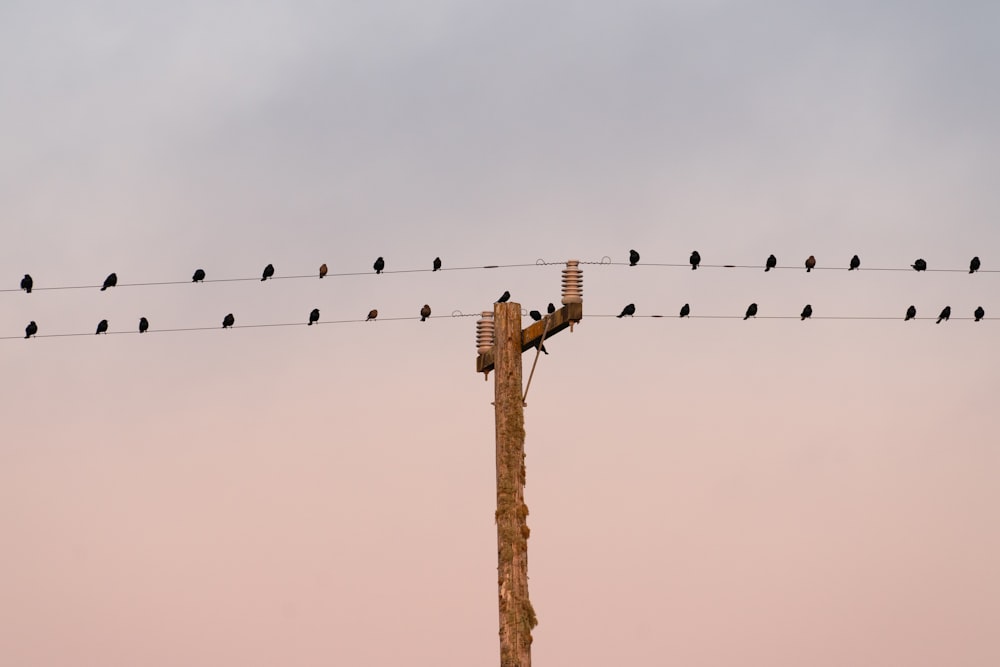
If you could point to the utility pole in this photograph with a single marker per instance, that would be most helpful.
(503, 354)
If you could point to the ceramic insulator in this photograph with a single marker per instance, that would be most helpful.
(485, 332)
(572, 282)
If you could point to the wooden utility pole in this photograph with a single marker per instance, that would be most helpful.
(517, 616)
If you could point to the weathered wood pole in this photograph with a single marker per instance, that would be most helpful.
(517, 618)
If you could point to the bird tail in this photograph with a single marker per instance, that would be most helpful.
(620, 316)
(766, 269)
(263, 279)
(423, 319)
(694, 267)
(808, 269)
(310, 323)
(938, 320)
(746, 317)
(104, 287)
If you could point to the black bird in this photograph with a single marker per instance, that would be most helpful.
(685, 310)
(504, 298)
(31, 329)
(980, 313)
(633, 258)
(143, 325)
(973, 266)
(110, 281)
(542, 348)
(535, 315)
(27, 283)
(314, 316)
(268, 272)
(695, 260)
(372, 314)
(628, 310)
(751, 311)
(379, 265)
(552, 308)
(228, 321)
(772, 262)
(437, 263)
(102, 327)
(810, 263)
(945, 314)
(911, 312)
(198, 276)
(807, 311)
(919, 265)
(425, 312)
(855, 263)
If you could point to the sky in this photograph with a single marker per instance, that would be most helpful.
(703, 492)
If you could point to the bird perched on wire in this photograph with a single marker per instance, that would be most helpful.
(268, 272)
(437, 264)
(979, 313)
(911, 312)
(633, 258)
(919, 265)
(102, 327)
(855, 263)
(27, 283)
(810, 263)
(695, 260)
(31, 329)
(685, 310)
(143, 325)
(535, 315)
(751, 311)
(110, 281)
(973, 265)
(628, 310)
(322, 269)
(772, 262)
(313, 317)
(228, 321)
(425, 312)
(199, 275)
(504, 298)
(945, 314)
(551, 308)
(807, 311)
(372, 314)
(379, 265)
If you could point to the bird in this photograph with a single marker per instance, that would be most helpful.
(810, 263)
(685, 310)
(695, 260)
(628, 310)
(425, 312)
(437, 264)
(27, 283)
(504, 298)
(919, 265)
(945, 314)
(228, 321)
(322, 270)
(268, 272)
(979, 313)
(372, 314)
(751, 311)
(314, 315)
(143, 325)
(535, 315)
(110, 281)
(772, 262)
(31, 329)
(551, 308)
(911, 312)
(542, 348)
(973, 266)
(102, 327)
(633, 258)
(855, 263)
(807, 311)
(199, 275)
(379, 265)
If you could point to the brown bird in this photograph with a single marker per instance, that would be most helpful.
(810, 263)
(372, 314)
(322, 270)
(425, 312)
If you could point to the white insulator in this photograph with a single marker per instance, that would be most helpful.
(572, 282)
(485, 332)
